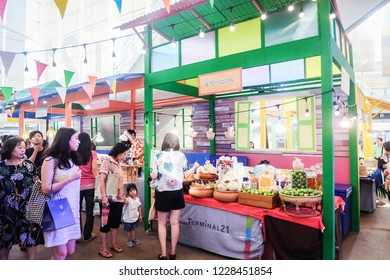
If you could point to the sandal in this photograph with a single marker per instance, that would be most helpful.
(105, 254)
(116, 248)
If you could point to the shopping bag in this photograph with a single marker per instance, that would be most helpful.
(36, 203)
(57, 214)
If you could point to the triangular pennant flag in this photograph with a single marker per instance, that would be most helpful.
(62, 93)
(119, 5)
(7, 58)
(7, 92)
(88, 90)
(167, 4)
(212, 3)
(112, 83)
(9, 112)
(61, 5)
(35, 94)
(40, 68)
(12, 109)
(68, 76)
(3, 3)
(92, 81)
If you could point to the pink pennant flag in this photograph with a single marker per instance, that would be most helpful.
(3, 3)
(92, 81)
(9, 112)
(40, 68)
(167, 4)
(62, 93)
(88, 90)
(35, 94)
(7, 58)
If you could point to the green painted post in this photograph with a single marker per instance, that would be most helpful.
(328, 212)
(148, 128)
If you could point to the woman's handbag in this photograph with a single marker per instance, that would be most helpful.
(57, 214)
(37, 201)
(112, 183)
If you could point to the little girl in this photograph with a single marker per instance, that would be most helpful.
(132, 214)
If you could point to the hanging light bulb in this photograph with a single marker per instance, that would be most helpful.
(332, 15)
(290, 8)
(201, 33)
(345, 122)
(173, 43)
(175, 130)
(232, 27)
(54, 64)
(143, 50)
(32, 102)
(263, 16)
(337, 112)
(279, 126)
(158, 119)
(307, 112)
(252, 120)
(301, 13)
(44, 101)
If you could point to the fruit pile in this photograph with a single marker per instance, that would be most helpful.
(258, 192)
(298, 179)
(300, 192)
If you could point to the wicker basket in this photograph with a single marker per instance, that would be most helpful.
(301, 206)
(226, 196)
(201, 192)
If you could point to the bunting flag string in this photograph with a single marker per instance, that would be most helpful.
(35, 94)
(68, 76)
(62, 93)
(61, 5)
(7, 92)
(7, 58)
(112, 83)
(167, 4)
(3, 3)
(92, 81)
(119, 5)
(40, 68)
(88, 90)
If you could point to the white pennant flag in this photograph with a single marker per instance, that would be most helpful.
(62, 93)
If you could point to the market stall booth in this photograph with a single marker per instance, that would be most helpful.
(289, 69)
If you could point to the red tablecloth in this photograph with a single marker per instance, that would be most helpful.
(259, 213)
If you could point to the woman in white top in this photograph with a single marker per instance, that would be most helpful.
(61, 173)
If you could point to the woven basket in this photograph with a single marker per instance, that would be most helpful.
(301, 206)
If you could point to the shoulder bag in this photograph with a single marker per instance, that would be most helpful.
(112, 182)
(37, 201)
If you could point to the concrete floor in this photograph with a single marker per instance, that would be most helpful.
(371, 243)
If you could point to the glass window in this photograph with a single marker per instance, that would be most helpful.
(176, 120)
(278, 123)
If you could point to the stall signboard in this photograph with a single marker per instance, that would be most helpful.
(220, 82)
(100, 102)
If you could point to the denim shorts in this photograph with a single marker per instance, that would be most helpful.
(130, 226)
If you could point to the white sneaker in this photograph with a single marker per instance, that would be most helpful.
(130, 243)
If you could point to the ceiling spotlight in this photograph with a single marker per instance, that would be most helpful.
(201, 33)
(44, 101)
(232, 27)
(263, 16)
(32, 102)
(290, 8)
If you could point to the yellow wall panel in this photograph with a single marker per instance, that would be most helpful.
(313, 67)
(247, 36)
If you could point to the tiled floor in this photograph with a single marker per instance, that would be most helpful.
(371, 243)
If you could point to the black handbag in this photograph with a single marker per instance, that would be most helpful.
(381, 161)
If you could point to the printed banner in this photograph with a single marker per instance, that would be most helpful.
(220, 82)
(222, 232)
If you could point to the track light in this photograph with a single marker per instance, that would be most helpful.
(232, 27)
(201, 33)
(85, 53)
(54, 64)
(25, 61)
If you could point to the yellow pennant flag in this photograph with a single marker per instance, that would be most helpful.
(61, 5)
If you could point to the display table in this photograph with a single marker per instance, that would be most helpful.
(203, 219)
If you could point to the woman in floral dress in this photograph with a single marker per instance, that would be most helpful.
(17, 176)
